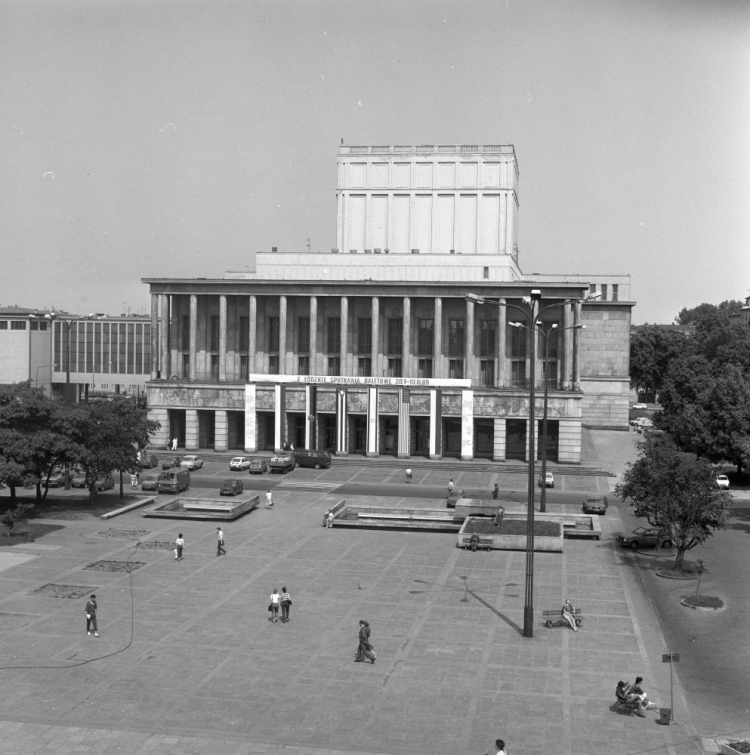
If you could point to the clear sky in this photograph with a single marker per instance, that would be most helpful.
(165, 138)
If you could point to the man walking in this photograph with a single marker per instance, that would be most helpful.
(269, 499)
(174, 443)
(286, 601)
(179, 544)
(450, 486)
(91, 607)
(220, 542)
(495, 492)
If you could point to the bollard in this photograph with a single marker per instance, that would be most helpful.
(665, 716)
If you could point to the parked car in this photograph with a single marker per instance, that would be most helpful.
(191, 463)
(239, 463)
(231, 487)
(170, 461)
(148, 461)
(642, 422)
(640, 406)
(281, 464)
(104, 483)
(150, 481)
(595, 504)
(258, 466)
(722, 481)
(315, 459)
(645, 537)
(549, 480)
(173, 480)
(78, 479)
(56, 479)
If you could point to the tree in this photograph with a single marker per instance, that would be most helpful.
(652, 350)
(11, 517)
(676, 491)
(697, 314)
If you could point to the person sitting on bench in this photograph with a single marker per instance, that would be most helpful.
(568, 613)
(624, 698)
(635, 690)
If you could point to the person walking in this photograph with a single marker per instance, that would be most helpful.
(134, 481)
(285, 601)
(329, 519)
(364, 649)
(274, 606)
(91, 607)
(450, 486)
(174, 443)
(495, 492)
(220, 542)
(269, 499)
(179, 544)
(499, 747)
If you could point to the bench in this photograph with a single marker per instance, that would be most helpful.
(482, 543)
(554, 618)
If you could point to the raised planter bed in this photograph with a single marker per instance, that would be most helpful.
(544, 539)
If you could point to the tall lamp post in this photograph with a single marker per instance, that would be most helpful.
(531, 312)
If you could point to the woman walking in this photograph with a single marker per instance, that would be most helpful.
(364, 650)
(179, 544)
(286, 601)
(275, 600)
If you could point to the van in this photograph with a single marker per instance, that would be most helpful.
(316, 459)
(150, 481)
(173, 480)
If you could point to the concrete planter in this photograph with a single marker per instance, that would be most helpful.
(725, 749)
(542, 544)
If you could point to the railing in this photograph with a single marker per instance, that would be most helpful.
(426, 148)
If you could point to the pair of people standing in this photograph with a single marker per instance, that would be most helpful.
(282, 601)
(364, 649)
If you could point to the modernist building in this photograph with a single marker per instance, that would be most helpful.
(373, 348)
(25, 347)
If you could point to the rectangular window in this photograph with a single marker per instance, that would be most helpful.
(121, 351)
(213, 342)
(394, 367)
(615, 292)
(424, 368)
(214, 366)
(364, 367)
(604, 291)
(518, 374)
(395, 330)
(34, 324)
(303, 337)
(273, 364)
(487, 338)
(18, 325)
(364, 335)
(333, 332)
(425, 337)
(456, 368)
(185, 332)
(303, 365)
(517, 343)
(273, 336)
(131, 350)
(487, 369)
(244, 344)
(334, 365)
(549, 373)
(186, 365)
(146, 352)
(456, 338)
(3, 325)
(139, 349)
(89, 336)
(244, 365)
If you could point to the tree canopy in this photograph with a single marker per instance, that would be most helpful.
(675, 491)
(652, 350)
(696, 315)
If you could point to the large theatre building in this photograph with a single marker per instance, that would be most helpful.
(373, 348)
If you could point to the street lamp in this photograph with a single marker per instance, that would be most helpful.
(531, 312)
(41, 367)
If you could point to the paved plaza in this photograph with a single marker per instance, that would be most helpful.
(189, 662)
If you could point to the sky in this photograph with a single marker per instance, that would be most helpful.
(171, 139)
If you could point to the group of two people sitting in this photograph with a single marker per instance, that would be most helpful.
(633, 694)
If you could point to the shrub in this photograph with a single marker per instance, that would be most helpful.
(743, 746)
(12, 516)
(705, 601)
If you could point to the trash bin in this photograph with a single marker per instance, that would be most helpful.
(665, 716)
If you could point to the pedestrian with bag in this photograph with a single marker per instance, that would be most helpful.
(91, 607)
(179, 544)
(273, 606)
(286, 602)
(364, 649)
(220, 542)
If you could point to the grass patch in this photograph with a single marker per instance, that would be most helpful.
(73, 507)
(741, 746)
(542, 528)
(26, 533)
(705, 601)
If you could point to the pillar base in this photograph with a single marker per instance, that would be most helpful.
(467, 457)
(341, 453)
(435, 457)
(372, 454)
(403, 456)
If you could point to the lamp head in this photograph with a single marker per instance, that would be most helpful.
(593, 297)
(474, 298)
(536, 294)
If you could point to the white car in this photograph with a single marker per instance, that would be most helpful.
(239, 463)
(549, 480)
(642, 422)
(640, 406)
(722, 481)
(191, 462)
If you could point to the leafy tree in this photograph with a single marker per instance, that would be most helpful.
(698, 314)
(10, 517)
(676, 491)
(652, 350)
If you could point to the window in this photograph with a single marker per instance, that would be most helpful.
(3, 325)
(517, 357)
(273, 336)
(456, 338)
(425, 337)
(424, 368)
(244, 365)
(456, 368)
(334, 365)
(364, 367)
(518, 374)
(303, 337)
(273, 364)
(244, 344)
(186, 365)
(395, 330)
(604, 292)
(333, 332)
(486, 272)
(213, 340)
(487, 369)
(185, 332)
(38, 324)
(214, 366)
(364, 335)
(487, 338)
(615, 292)
(394, 367)
(18, 325)
(303, 365)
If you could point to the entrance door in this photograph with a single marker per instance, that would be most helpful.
(553, 439)
(177, 426)
(420, 436)
(327, 425)
(452, 437)
(358, 435)
(484, 438)
(296, 429)
(515, 438)
(389, 436)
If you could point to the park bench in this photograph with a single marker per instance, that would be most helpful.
(483, 543)
(554, 618)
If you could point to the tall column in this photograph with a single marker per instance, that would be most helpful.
(467, 424)
(344, 331)
(577, 347)
(564, 346)
(282, 335)
(503, 363)
(436, 424)
(314, 356)
(222, 338)
(252, 331)
(221, 430)
(251, 419)
(375, 326)
(164, 333)
(470, 370)
(372, 421)
(438, 368)
(279, 416)
(193, 335)
(154, 338)
(191, 429)
(407, 369)
(404, 423)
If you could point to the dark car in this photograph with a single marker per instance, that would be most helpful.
(148, 461)
(170, 461)
(310, 458)
(104, 483)
(231, 487)
(56, 479)
(258, 466)
(595, 504)
(645, 537)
